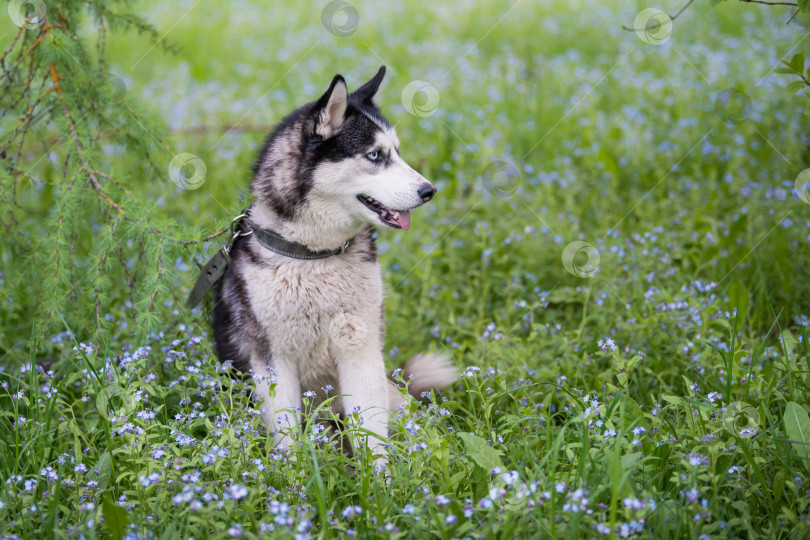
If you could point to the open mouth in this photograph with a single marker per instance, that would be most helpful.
(398, 219)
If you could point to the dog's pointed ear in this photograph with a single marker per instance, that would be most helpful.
(369, 92)
(330, 109)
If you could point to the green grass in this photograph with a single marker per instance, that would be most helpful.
(694, 426)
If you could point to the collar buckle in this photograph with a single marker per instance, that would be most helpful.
(235, 233)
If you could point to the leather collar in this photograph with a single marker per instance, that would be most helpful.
(277, 244)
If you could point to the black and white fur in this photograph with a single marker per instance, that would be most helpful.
(327, 173)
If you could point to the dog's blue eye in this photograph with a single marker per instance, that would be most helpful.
(373, 156)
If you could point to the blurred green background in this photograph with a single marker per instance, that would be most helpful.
(613, 137)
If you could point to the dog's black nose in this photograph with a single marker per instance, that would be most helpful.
(426, 192)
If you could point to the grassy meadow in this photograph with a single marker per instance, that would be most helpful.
(616, 259)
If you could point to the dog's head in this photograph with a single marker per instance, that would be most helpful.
(337, 159)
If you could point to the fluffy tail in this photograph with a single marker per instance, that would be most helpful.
(423, 372)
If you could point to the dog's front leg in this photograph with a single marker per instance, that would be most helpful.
(281, 404)
(364, 386)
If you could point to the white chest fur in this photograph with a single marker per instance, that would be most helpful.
(307, 307)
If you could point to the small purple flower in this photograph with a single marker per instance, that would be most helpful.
(351, 511)
(510, 477)
(633, 504)
(237, 491)
(696, 460)
(471, 371)
(411, 428)
(147, 481)
(607, 345)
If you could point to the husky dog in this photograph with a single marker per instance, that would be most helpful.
(327, 174)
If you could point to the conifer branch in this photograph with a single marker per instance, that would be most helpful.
(59, 118)
(79, 147)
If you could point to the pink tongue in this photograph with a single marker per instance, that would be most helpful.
(404, 219)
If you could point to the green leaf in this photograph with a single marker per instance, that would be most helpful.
(778, 486)
(170, 533)
(797, 62)
(458, 478)
(795, 86)
(630, 413)
(804, 6)
(614, 402)
(483, 454)
(790, 342)
(619, 469)
(115, 518)
(797, 428)
(104, 468)
(738, 298)
(784, 70)
(629, 460)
